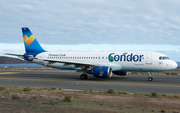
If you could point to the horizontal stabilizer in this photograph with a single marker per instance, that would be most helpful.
(18, 55)
(30, 57)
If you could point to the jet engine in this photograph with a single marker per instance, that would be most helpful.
(102, 72)
(121, 73)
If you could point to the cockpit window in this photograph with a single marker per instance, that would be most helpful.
(163, 57)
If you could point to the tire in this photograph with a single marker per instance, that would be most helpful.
(150, 79)
(86, 77)
(83, 77)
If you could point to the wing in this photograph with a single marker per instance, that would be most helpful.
(83, 65)
(18, 55)
(66, 62)
(30, 57)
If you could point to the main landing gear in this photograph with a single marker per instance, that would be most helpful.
(84, 77)
(150, 78)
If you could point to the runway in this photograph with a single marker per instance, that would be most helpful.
(70, 80)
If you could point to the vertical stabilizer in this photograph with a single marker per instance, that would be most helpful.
(30, 42)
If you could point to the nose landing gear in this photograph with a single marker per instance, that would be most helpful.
(150, 77)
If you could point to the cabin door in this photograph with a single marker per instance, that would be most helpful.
(149, 59)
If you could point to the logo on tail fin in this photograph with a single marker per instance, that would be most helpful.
(29, 40)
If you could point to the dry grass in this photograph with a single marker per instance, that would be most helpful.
(67, 98)
(53, 88)
(27, 89)
(154, 94)
(111, 91)
(2, 88)
(15, 97)
(46, 100)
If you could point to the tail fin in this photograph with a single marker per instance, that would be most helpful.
(30, 42)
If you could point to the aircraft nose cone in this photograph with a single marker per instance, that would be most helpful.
(174, 65)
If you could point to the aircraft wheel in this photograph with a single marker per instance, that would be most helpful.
(83, 77)
(150, 78)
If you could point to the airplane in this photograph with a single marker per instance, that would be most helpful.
(99, 64)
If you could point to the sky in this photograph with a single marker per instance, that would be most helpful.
(92, 25)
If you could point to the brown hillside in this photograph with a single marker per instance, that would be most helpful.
(9, 60)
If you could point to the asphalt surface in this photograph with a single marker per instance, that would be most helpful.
(70, 80)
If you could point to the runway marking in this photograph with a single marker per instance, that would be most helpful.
(132, 84)
(4, 73)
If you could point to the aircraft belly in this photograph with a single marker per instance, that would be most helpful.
(143, 69)
(116, 68)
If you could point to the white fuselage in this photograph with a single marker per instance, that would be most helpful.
(119, 60)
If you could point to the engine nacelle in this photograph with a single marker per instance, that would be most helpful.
(121, 73)
(102, 72)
